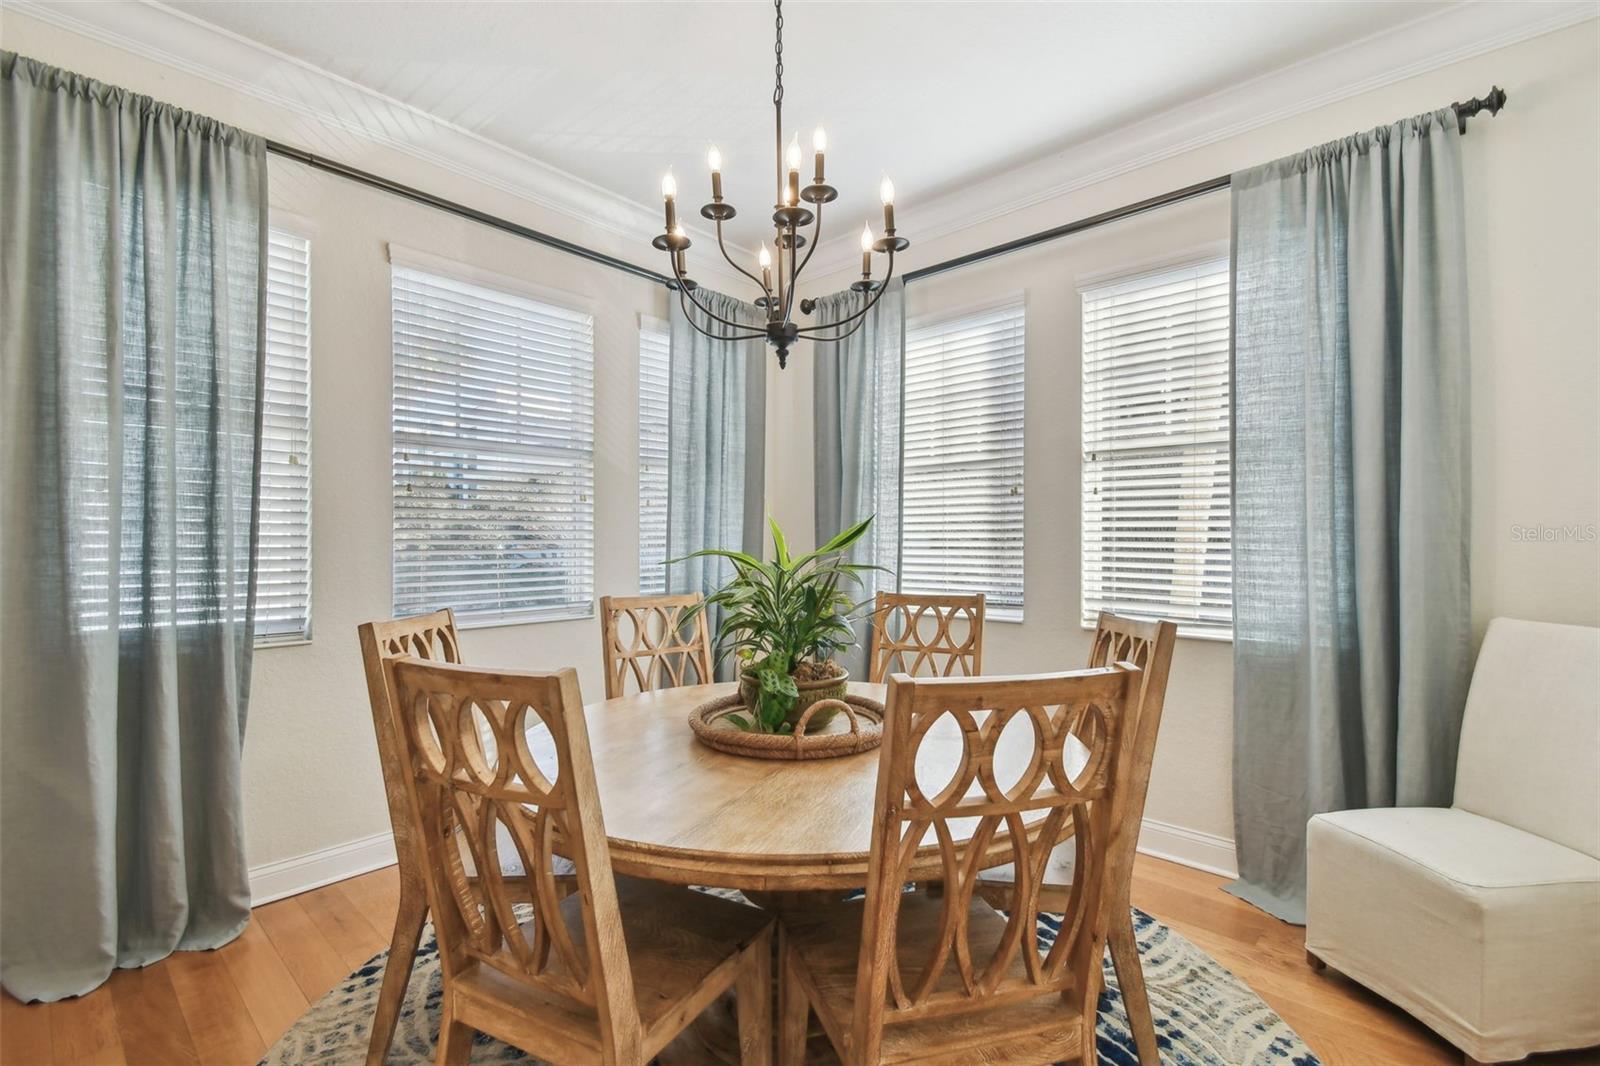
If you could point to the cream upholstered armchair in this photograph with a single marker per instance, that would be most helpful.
(1483, 919)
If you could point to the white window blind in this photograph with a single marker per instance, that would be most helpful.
(962, 498)
(1156, 505)
(493, 451)
(654, 361)
(283, 550)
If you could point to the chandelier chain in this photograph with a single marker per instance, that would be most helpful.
(777, 51)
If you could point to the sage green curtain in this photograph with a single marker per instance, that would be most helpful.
(1352, 634)
(131, 294)
(716, 446)
(857, 399)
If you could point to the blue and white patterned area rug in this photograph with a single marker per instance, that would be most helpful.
(1204, 1015)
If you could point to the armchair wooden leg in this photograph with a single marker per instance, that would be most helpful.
(794, 1012)
(1315, 963)
(754, 993)
(1130, 976)
(408, 923)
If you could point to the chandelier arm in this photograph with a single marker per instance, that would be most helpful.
(796, 265)
(814, 339)
(683, 290)
(707, 332)
(724, 249)
(876, 296)
(816, 239)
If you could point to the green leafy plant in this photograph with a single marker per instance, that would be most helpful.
(785, 616)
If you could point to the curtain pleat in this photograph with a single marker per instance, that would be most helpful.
(131, 315)
(1350, 479)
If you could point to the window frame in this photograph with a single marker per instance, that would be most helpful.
(295, 228)
(995, 611)
(1190, 258)
(562, 302)
(650, 325)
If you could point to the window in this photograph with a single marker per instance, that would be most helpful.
(493, 449)
(654, 361)
(1155, 449)
(283, 549)
(962, 483)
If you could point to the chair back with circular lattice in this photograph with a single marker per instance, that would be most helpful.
(497, 759)
(645, 640)
(926, 636)
(1003, 764)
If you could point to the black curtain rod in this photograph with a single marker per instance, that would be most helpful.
(1464, 110)
(300, 155)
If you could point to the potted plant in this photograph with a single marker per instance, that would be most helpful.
(784, 620)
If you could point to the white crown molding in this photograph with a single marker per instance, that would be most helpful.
(181, 41)
(1417, 47)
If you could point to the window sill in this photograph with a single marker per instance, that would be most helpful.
(1184, 633)
(297, 642)
(575, 615)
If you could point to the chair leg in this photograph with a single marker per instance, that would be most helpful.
(455, 1038)
(1315, 963)
(794, 1012)
(753, 991)
(408, 922)
(1130, 976)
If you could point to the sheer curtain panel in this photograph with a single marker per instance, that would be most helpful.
(1352, 630)
(131, 295)
(716, 446)
(857, 447)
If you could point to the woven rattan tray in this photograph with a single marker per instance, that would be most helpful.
(858, 729)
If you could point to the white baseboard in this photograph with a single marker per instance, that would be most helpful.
(1188, 847)
(289, 877)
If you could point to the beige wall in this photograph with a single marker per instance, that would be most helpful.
(1533, 188)
(311, 776)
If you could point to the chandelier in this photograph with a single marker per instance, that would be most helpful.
(780, 272)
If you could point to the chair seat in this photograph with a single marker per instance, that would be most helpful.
(676, 937)
(827, 941)
(1489, 934)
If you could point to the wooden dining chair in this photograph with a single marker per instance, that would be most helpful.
(940, 636)
(426, 636)
(903, 977)
(1148, 645)
(610, 974)
(642, 637)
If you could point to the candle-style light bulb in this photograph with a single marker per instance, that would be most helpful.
(669, 193)
(765, 258)
(886, 193)
(819, 144)
(792, 157)
(866, 251)
(714, 161)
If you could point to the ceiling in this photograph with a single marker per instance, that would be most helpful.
(938, 96)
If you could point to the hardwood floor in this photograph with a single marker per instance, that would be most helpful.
(225, 1007)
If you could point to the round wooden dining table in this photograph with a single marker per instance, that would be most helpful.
(676, 810)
